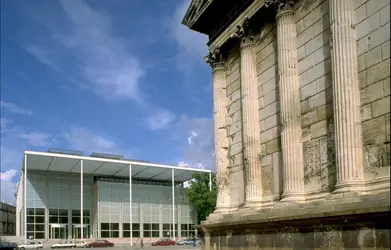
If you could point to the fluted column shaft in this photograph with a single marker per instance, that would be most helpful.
(250, 116)
(220, 101)
(289, 85)
(346, 96)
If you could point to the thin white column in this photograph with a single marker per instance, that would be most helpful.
(250, 115)
(210, 181)
(81, 199)
(130, 205)
(98, 188)
(346, 96)
(173, 203)
(25, 198)
(221, 123)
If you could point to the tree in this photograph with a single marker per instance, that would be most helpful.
(200, 195)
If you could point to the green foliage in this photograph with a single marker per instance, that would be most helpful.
(200, 195)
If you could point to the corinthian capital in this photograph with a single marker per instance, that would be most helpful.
(280, 5)
(244, 32)
(214, 59)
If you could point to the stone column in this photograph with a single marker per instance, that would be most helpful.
(206, 241)
(220, 101)
(250, 115)
(346, 97)
(289, 87)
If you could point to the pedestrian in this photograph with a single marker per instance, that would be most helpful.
(142, 243)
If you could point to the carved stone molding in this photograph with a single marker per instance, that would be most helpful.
(215, 59)
(244, 33)
(281, 6)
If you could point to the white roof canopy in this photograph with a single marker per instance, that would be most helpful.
(46, 161)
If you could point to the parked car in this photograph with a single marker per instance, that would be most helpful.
(5, 245)
(187, 241)
(100, 243)
(163, 242)
(81, 244)
(64, 244)
(31, 245)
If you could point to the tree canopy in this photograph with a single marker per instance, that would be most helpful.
(200, 195)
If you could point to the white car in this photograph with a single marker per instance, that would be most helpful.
(64, 244)
(31, 245)
(81, 243)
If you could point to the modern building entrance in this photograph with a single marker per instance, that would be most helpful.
(76, 231)
(58, 231)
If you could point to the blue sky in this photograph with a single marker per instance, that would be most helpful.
(121, 76)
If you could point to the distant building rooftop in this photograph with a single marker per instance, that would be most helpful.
(70, 161)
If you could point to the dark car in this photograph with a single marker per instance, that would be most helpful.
(163, 242)
(5, 245)
(100, 243)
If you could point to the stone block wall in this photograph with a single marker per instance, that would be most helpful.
(314, 65)
(333, 237)
(313, 43)
(269, 111)
(373, 42)
(234, 129)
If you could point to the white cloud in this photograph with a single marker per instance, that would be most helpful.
(191, 45)
(195, 165)
(15, 108)
(43, 55)
(8, 187)
(91, 141)
(199, 152)
(34, 138)
(192, 135)
(11, 160)
(101, 58)
(8, 175)
(160, 120)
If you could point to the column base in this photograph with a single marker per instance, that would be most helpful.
(293, 197)
(222, 210)
(266, 202)
(378, 185)
(349, 186)
(317, 194)
(235, 207)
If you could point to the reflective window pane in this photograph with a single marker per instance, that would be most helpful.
(114, 234)
(30, 227)
(40, 235)
(114, 226)
(40, 211)
(30, 219)
(53, 219)
(40, 227)
(63, 220)
(105, 234)
(39, 219)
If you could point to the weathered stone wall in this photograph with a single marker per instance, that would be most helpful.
(234, 128)
(373, 42)
(269, 107)
(333, 237)
(313, 42)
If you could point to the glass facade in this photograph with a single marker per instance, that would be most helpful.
(53, 207)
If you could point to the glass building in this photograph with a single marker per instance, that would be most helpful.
(72, 196)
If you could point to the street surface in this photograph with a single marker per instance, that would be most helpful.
(127, 247)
